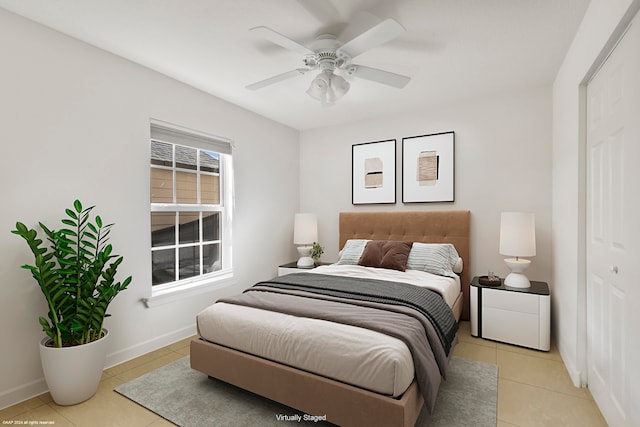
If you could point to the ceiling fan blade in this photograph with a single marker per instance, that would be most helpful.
(378, 34)
(323, 10)
(376, 75)
(277, 38)
(278, 78)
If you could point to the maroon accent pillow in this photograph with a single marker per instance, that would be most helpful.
(386, 254)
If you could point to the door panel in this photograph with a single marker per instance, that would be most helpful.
(613, 233)
(617, 171)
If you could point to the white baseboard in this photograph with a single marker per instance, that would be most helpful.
(145, 347)
(22, 393)
(574, 373)
(27, 391)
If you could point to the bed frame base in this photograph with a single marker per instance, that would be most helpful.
(343, 404)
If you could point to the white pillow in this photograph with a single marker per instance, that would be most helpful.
(459, 266)
(351, 252)
(434, 258)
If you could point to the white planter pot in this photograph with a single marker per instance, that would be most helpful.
(73, 373)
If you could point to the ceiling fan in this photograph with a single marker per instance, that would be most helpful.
(328, 55)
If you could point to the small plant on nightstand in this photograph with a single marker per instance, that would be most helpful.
(316, 252)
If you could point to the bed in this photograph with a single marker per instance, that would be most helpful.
(344, 403)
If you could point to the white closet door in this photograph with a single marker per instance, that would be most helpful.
(613, 234)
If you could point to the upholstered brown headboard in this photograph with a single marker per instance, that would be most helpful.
(415, 226)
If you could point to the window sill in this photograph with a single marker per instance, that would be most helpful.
(165, 296)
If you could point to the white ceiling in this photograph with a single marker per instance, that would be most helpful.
(453, 49)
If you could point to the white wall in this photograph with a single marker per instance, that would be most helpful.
(502, 162)
(600, 27)
(75, 124)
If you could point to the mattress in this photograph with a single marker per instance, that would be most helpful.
(353, 355)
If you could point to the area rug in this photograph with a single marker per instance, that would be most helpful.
(189, 398)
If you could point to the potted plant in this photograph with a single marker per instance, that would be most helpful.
(76, 274)
(316, 253)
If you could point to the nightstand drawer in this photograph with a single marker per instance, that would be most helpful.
(510, 326)
(512, 301)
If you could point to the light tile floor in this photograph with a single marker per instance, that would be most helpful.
(534, 389)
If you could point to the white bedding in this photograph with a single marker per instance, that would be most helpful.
(350, 354)
(353, 355)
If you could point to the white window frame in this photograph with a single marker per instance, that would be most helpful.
(177, 135)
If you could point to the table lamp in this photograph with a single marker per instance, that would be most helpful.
(517, 239)
(305, 233)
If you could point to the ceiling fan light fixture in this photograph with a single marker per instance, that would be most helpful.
(339, 85)
(327, 88)
(319, 86)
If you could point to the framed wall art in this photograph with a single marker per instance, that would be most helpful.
(373, 172)
(428, 168)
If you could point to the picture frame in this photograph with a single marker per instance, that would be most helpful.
(428, 168)
(373, 172)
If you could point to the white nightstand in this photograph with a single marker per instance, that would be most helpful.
(519, 316)
(292, 267)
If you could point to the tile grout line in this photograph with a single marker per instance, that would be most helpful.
(531, 355)
(544, 388)
(53, 408)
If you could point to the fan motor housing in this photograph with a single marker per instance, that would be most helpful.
(326, 56)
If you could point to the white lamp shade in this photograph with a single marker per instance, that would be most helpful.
(339, 87)
(305, 229)
(319, 87)
(518, 234)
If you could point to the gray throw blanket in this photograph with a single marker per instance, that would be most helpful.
(426, 301)
(327, 297)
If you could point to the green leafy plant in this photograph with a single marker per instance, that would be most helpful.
(76, 274)
(316, 251)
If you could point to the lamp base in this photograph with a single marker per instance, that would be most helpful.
(305, 260)
(516, 279)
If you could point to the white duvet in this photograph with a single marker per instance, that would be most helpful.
(349, 354)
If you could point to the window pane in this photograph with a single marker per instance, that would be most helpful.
(211, 258)
(189, 262)
(210, 189)
(210, 226)
(161, 154)
(163, 228)
(209, 161)
(187, 215)
(186, 158)
(161, 186)
(164, 266)
(186, 187)
(189, 227)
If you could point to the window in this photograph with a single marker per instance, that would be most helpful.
(190, 188)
